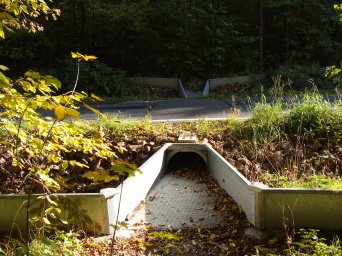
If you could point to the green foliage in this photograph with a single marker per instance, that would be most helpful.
(38, 145)
(303, 116)
(192, 40)
(318, 181)
(334, 74)
(267, 121)
(95, 77)
(314, 115)
(310, 244)
(65, 244)
(21, 14)
(302, 77)
(44, 138)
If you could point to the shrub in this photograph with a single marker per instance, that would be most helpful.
(304, 76)
(96, 77)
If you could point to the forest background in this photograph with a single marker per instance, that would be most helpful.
(193, 40)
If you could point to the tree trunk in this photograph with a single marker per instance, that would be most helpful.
(261, 35)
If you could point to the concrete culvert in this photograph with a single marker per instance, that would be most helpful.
(179, 199)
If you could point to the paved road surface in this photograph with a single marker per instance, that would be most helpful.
(178, 109)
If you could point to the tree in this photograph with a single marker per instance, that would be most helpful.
(186, 39)
(22, 14)
(37, 145)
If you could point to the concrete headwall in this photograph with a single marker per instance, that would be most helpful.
(213, 83)
(172, 83)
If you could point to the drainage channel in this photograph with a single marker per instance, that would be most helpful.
(176, 202)
(181, 198)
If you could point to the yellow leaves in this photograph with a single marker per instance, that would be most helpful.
(95, 97)
(2, 33)
(120, 149)
(48, 182)
(65, 164)
(100, 175)
(62, 112)
(4, 81)
(37, 143)
(8, 18)
(73, 113)
(77, 55)
(48, 198)
(166, 235)
(34, 81)
(99, 134)
(124, 167)
(50, 80)
(4, 68)
(94, 110)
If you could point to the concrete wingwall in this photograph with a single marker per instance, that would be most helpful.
(301, 208)
(82, 208)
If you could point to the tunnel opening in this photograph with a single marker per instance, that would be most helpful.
(186, 161)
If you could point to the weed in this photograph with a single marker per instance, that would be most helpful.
(310, 244)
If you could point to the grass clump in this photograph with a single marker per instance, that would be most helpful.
(266, 123)
(315, 116)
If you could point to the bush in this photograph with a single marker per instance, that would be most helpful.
(95, 77)
(304, 76)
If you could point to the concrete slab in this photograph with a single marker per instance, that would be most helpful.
(176, 202)
(187, 137)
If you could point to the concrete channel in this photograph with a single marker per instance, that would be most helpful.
(265, 208)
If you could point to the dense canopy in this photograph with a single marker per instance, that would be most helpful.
(192, 40)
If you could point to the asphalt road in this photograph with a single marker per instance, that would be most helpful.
(175, 109)
(165, 110)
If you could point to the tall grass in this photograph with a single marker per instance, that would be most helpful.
(315, 116)
(267, 122)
